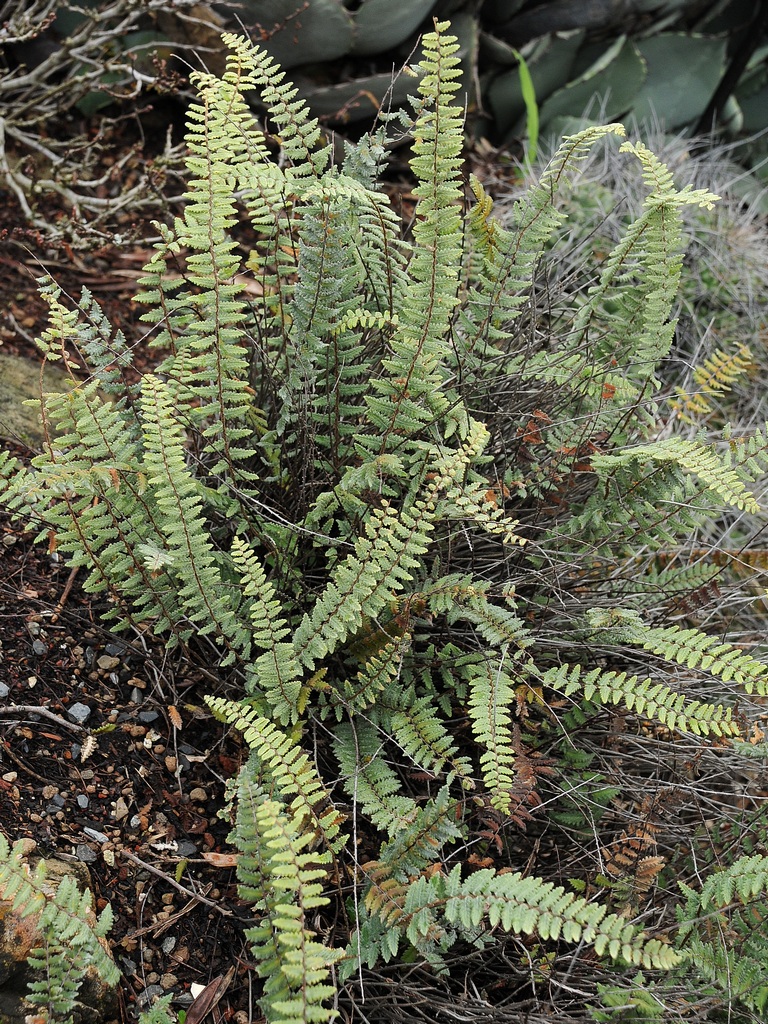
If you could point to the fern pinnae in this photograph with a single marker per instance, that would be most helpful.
(278, 875)
(288, 768)
(695, 649)
(70, 930)
(371, 783)
(695, 458)
(492, 697)
(375, 676)
(420, 733)
(299, 134)
(188, 543)
(525, 906)
(643, 696)
(410, 394)
(276, 673)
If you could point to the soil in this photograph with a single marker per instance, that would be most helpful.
(141, 807)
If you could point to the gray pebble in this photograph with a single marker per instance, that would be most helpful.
(82, 800)
(93, 833)
(4, 690)
(79, 712)
(150, 993)
(148, 716)
(186, 849)
(85, 853)
(39, 648)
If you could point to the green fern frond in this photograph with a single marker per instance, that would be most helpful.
(525, 906)
(722, 931)
(275, 674)
(71, 932)
(410, 395)
(299, 134)
(187, 542)
(743, 881)
(695, 458)
(436, 825)
(415, 726)
(289, 770)
(393, 545)
(694, 649)
(491, 700)
(643, 696)
(282, 880)
(373, 678)
(369, 780)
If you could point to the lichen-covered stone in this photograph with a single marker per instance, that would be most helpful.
(19, 935)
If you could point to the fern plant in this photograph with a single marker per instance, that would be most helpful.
(419, 517)
(72, 935)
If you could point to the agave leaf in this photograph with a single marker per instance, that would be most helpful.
(550, 65)
(301, 31)
(382, 24)
(683, 74)
(357, 100)
(614, 79)
(467, 30)
(752, 92)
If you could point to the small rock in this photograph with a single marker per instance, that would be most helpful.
(148, 716)
(39, 648)
(115, 650)
(85, 853)
(136, 695)
(79, 712)
(19, 935)
(94, 834)
(198, 795)
(186, 849)
(150, 993)
(168, 981)
(4, 690)
(107, 662)
(169, 944)
(121, 809)
(82, 800)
